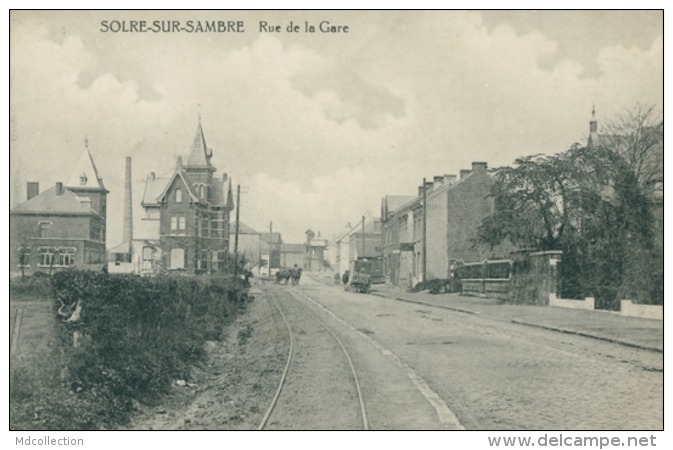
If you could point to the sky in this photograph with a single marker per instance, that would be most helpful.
(317, 127)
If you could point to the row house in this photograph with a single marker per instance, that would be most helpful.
(454, 211)
(62, 227)
(189, 212)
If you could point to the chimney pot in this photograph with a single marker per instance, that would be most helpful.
(449, 179)
(32, 189)
(420, 190)
(479, 166)
(464, 173)
(438, 181)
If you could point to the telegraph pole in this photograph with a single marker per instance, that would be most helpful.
(363, 236)
(425, 208)
(270, 251)
(238, 210)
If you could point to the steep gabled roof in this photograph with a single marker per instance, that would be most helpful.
(200, 153)
(242, 229)
(178, 173)
(153, 188)
(85, 174)
(49, 203)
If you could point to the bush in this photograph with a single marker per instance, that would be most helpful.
(138, 334)
(436, 286)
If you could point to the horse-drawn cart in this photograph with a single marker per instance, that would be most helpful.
(359, 282)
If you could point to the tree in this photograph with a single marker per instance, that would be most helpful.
(637, 135)
(595, 204)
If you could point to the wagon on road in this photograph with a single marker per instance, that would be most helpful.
(359, 282)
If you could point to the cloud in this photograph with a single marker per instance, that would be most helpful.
(318, 127)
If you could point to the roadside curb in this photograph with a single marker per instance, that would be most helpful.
(592, 336)
(534, 325)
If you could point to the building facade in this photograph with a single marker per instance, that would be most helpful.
(293, 254)
(189, 212)
(454, 211)
(249, 244)
(62, 227)
(271, 244)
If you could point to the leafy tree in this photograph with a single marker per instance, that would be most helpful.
(594, 204)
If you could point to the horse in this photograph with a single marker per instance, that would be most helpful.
(296, 276)
(284, 274)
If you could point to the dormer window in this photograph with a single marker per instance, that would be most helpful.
(178, 195)
(82, 179)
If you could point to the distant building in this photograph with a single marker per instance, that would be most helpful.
(64, 226)
(291, 254)
(315, 252)
(141, 256)
(370, 246)
(455, 209)
(342, 250)
(249, 244)
(189, 212)
(270, 245)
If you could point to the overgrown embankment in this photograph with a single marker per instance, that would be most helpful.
(134, 336)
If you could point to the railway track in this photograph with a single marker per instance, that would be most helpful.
(291, 354)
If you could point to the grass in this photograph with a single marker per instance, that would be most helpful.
(137, 336)
(38, 399)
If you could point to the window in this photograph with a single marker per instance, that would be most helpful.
(46, 257)
(203, 263)
(198, 226)
(418, 224)
(402, 227)
(218, 225)
(43, 229)
(177, 258)
(147, 257)
(96, 232)
(221, 259)
(178, 195)
(205, 225)
(66, 257)
(178, 225)
(214, 230)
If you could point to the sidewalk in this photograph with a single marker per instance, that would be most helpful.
(645, 334)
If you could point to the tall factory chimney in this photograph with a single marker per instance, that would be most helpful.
(128, 204)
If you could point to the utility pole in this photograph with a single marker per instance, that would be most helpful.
(270, 251)
(238, 210)
(425, 208)
(363, 236)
